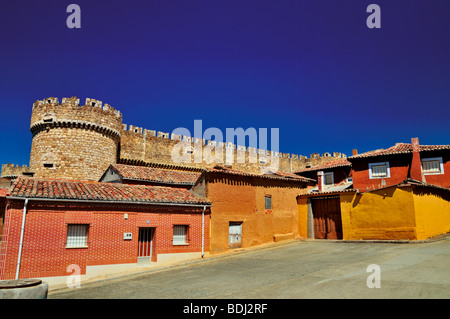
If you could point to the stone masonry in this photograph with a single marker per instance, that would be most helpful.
(80, 142)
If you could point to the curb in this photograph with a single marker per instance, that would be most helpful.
(227, 254)
(382, 241)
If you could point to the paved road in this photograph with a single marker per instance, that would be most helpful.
(299, 269)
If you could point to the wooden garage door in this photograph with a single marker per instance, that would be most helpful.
(327, 218)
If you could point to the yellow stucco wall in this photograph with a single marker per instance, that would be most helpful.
(432, 212)
(383, 214)
(302, 216)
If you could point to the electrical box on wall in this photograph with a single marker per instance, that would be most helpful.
(127, 236)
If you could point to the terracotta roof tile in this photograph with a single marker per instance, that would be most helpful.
(331, 164)
(273, 176)
(82, 190)
(153, 174)
(400, 148)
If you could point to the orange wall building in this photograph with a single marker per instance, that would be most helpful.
(248, 209)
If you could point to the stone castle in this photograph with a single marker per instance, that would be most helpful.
(79, 142)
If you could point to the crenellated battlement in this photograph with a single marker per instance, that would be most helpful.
(12, 171)
(77, 141)
(48, 113)
(75, 102)
(141, 132)
(145, 145)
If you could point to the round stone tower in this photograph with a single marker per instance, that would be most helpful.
(72, 141)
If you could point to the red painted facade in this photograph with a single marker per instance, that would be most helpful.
(398, 167)
(44, 246)
(404, 161)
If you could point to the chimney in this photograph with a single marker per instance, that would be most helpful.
(320, 180)
(415, 171)
(354, 152)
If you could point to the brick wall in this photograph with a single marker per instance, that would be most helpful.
(44, 250)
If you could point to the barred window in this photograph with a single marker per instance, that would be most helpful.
(379, 170)
(432, 166)
(77, 235)
(180, 234)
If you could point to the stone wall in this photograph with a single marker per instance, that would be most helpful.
(76, 141)
(72, 141)
(159, 147)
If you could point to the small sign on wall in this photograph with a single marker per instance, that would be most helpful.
(127, 236)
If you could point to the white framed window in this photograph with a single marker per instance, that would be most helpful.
(432, 166)
(379, 170)
(180, 234)
(77, 236)
(328, 178)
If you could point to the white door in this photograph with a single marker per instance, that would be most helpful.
(235, 234)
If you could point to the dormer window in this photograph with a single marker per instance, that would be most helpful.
(379, 170)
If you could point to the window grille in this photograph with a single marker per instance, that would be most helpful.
(432, 166)
(379, 170)
(77, 235)
(180, 234)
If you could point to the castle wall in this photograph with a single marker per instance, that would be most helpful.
(80, 142)
(149, 146)
(72, 141)
(72, 154)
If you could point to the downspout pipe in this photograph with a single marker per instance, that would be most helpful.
(203, 231)
(22, 231)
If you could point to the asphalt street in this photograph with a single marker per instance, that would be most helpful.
(294, 270)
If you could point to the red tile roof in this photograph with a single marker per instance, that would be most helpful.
(153, 174)
(27, 187)
(400, 148)
(273, 176)
(327, 165)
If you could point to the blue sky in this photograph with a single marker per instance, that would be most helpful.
(313, 69)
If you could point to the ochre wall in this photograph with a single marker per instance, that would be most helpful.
(396, 213)
(242, 199)
(303, 217)
(432, 212)
(382, 214)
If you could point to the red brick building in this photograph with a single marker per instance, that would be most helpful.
(98, 227)
(391, 166)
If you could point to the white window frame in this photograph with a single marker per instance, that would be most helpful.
(178, 236)
(388, 171)
(77, 235)
(441, 165)
(324, 178)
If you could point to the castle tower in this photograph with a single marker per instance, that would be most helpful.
(72, 141)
